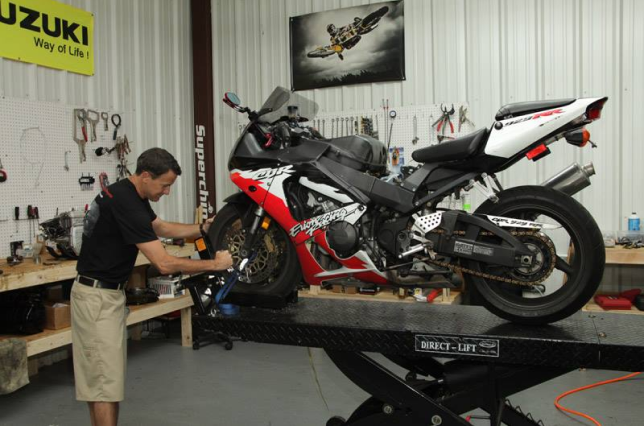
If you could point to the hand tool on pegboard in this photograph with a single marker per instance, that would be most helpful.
(414, 141)
(93, 117)
(462, 118)
(79, 115)
(3, 173)
(444, 120)
(116, 121)
(105, 116)
(66, 166)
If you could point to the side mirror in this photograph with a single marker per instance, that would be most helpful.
(232, 100)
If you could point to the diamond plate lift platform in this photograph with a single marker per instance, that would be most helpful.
(488, 359)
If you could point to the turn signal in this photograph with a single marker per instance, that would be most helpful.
(266, 223)
(578, 137)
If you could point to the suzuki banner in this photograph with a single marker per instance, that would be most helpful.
(48, 33)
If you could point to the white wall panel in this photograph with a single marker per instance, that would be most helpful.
(485, 52)
(143, 66)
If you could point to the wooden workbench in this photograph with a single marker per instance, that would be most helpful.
(28, 274)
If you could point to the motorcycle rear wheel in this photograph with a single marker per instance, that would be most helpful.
(579, 264)
(274, 270)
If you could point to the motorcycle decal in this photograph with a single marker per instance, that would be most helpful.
(519, 223)
(350, 214)
(534, 117)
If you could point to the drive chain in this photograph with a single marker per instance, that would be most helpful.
(463, 270)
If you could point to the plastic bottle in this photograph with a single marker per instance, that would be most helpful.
(634, 222)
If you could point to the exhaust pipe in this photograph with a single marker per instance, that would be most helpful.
(572, 179)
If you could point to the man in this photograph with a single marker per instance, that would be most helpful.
(119, 223)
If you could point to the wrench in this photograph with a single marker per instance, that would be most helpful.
(105, 116)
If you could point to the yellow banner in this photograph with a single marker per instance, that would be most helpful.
(47, 33)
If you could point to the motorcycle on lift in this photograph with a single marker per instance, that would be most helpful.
(326, 210)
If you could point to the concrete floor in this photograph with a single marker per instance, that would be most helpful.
(270, 385)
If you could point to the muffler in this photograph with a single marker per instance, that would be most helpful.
(572, 179)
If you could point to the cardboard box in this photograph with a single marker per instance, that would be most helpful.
(57, 314)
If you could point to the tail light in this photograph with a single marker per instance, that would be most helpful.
(537, 153)
(594, 110)
(579, 137)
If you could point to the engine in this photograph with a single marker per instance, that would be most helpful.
(64, 234)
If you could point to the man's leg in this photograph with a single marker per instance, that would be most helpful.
(104, 413)
(91, 413)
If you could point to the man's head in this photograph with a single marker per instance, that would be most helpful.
(156, 171)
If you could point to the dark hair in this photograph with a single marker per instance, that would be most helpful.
(157, 161)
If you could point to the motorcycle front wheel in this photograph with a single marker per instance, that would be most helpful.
(579, 258)
(275, 268)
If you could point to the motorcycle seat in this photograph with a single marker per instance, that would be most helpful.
(457, 149)
(523, 108)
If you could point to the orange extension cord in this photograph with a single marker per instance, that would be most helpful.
(594, 385)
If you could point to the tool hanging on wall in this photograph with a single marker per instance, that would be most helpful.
(100, 151)
(392, 115)
(93, 118)
(443, 121)
(3, 173)
(116, 121)
(79, 115)
(414, 141)
(122, 150)
(105, 116)
(462, 118)
(66, 166)
(86, 182)
(104, 182)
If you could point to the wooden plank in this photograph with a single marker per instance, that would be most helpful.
(28, 274)
(622, 256)
(453, 298)
(52, 339)
(186, 327)
(593, 307)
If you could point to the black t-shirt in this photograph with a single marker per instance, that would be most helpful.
(113, 225)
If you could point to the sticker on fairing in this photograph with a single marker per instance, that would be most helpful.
(457, 345)
(311, 225)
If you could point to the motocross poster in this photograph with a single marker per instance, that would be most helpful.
(354, 45)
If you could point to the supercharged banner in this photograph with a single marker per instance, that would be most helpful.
(49, 33)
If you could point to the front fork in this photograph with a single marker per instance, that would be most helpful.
(259, 220)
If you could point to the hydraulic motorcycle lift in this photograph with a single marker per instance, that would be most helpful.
(488, 359)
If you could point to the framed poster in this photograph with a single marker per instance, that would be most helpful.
(354, 45)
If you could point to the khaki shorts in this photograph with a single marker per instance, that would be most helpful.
(99, 342)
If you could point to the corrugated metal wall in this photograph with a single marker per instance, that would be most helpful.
(485, 52)
(143, 66)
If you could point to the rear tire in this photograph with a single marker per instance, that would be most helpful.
(275, 270)
(584, 262)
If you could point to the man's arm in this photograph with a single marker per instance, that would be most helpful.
(167, 264)
(178, 230)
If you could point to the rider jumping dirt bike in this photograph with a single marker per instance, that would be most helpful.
(348, 36)
(323, 210)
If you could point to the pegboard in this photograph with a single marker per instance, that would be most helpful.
(35, 137)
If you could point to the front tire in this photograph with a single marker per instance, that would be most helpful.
(580, 258)
(275, 270)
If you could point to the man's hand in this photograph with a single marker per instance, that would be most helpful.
(223, 260)
(207, 223)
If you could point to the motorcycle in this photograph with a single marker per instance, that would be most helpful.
(348, 36)
(327, 211)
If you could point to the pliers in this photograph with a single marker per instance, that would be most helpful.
(462, 117)
(445, 119)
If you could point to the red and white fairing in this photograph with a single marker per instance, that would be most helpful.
(266, 187)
